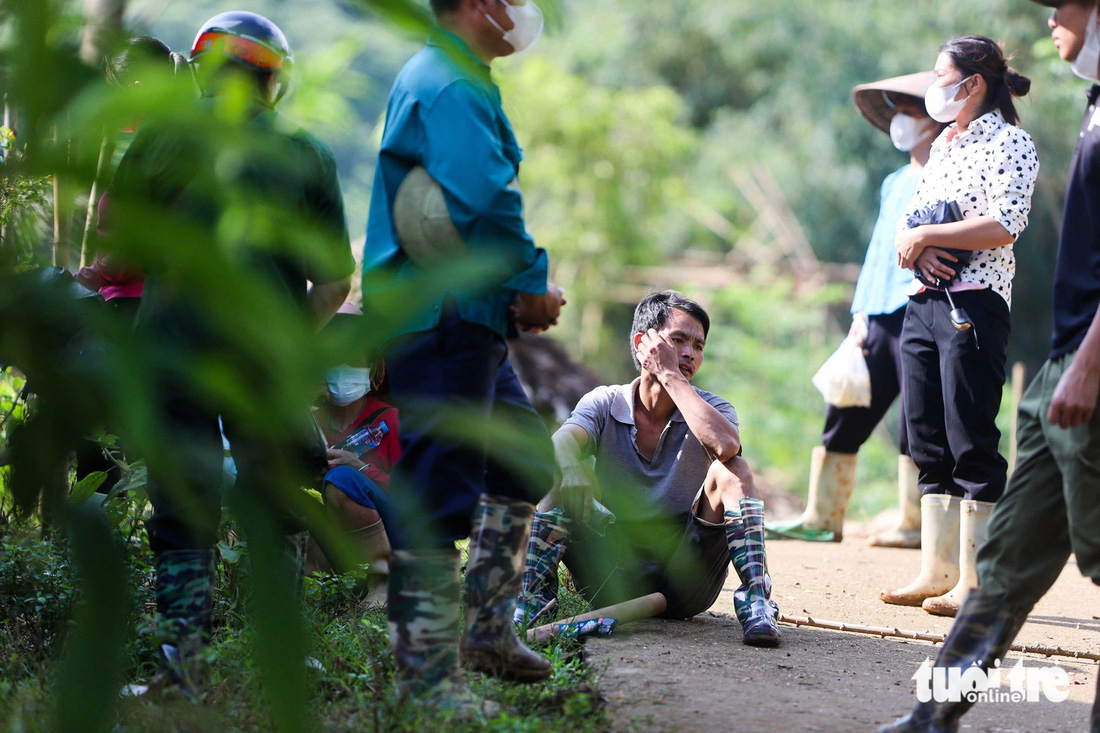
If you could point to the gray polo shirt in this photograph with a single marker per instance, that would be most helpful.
(632, 486)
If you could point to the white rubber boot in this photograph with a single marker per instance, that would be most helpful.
(973, 529)
(907, 532)
(832, 478)
(939, 552)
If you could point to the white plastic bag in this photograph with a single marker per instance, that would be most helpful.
(843, 380)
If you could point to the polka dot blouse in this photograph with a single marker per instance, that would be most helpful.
(987, 169)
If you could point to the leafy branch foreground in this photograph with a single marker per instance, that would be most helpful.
(349, 660)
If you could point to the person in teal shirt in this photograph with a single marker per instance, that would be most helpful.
(444, 119)
(444, 114)
(895, 106)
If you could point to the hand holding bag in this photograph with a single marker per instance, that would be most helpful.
(944, 212)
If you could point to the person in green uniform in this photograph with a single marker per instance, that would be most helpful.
(229, 204)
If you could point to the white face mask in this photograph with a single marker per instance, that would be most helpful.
(526, 25)
(908, 132)
(346, 384)
(1089, 56)
(941, 103)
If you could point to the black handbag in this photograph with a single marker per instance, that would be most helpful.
(944, 212)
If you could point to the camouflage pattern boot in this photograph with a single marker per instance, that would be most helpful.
(984, 629)
(539, 594)
(752, 601)
(493, 574)
(185, 605)
(423, 621)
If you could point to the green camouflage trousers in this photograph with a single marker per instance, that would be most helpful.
(1051, 506)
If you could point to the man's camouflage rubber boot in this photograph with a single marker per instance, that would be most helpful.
(984, 629)
(539, 593)
(422, 611)
(752, 601)
(494, 570)
(185, 604)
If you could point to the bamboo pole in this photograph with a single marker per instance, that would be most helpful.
(894, 632)
(1019, 374)
(635, 609)
(106, 150)
(60, 225)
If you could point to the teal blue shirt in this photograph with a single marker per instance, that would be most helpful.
(444, 113)
(881, 287)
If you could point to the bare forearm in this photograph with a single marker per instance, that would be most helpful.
(1088, 354)
(709, 426)
(324, 300)
(567, 449)
(1076, 394)
(981, 232)
(576, 485)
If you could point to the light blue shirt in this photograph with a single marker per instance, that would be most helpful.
(444, 113)
(882, 285)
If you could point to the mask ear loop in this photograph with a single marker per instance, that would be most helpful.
(966, 81)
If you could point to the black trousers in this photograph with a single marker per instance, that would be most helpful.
(458, 374)
(848, 428)
(952, 389)
(684, 558)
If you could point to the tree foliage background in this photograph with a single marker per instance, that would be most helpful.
(632, 116)
(636, 119)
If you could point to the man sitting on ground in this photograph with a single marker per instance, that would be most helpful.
(668, 465)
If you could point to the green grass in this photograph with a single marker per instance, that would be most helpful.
(350, 686)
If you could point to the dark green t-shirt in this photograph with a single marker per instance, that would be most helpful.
(213, 206)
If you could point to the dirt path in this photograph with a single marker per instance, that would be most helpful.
(696, 675)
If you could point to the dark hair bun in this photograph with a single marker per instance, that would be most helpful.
(1017, 83)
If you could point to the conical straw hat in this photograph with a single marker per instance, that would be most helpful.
(873, 104)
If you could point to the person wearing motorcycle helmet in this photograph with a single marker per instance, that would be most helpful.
(239, 220)
(243, 41)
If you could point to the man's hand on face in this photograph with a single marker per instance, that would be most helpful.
(657, 355)
(536, 313)
(577, 491)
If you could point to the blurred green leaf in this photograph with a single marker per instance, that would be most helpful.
(85, 487)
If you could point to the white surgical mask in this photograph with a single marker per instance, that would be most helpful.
(941, 103)
(526, 25)
(908, 132)
(1089, 56)
(346, 384)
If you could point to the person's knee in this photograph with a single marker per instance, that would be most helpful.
(731, 479)
(346, 511)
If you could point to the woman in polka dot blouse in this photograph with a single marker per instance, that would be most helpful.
(953, 378)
